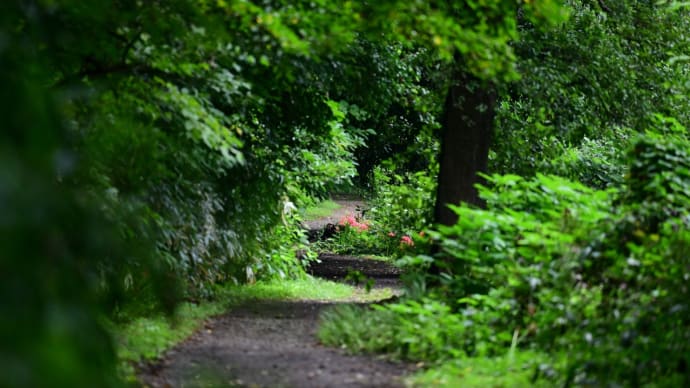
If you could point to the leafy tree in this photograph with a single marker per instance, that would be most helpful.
(590, 82)
(475, 38)
(136, 156)
(54, 239)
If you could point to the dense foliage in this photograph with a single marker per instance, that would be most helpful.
(575, 272)
(151, 150)
(597, 279)
(586, 84)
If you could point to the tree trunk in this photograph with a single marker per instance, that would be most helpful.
(467, 127)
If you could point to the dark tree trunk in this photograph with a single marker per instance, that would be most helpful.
(467, 127)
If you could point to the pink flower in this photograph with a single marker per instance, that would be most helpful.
(351, 221)
(406, 240)
(348, 220)
(391, 234)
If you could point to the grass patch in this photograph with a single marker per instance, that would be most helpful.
(374, 295)
(320, 210)
(516, 370)
(146, 338)
(306, 289)
(299, 289)
(361, 329)
(379, 258)
(358, 329)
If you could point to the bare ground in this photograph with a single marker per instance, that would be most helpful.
(274, 344)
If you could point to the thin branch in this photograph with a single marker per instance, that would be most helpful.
(604, 6)
(118, 69)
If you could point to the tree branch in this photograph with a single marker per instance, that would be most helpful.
(604, 7)
(118, 69)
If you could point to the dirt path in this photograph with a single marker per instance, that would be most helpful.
(274, 344)
(347, 207)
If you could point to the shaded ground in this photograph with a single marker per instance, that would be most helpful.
(337, 267)
(274, 344)
(269, 344)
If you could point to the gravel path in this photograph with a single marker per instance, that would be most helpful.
(274, 344)
(269, 344)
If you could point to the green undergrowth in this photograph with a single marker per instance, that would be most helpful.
(379, 258)
(145, 338)
(594, 280)
(428, 339)
(322, 209)
(512, 370)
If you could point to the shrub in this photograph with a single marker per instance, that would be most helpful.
(403, 204)
(575, 274)
(597, 163)
(597, 279)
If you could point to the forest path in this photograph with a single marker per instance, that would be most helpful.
(274, 343)
(348, 206)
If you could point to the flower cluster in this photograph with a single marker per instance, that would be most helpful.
(407, 240)
(351, 221)
(404, 240)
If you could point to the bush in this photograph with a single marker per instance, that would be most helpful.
(597, 163)
(595, 279)
(597, 275)
(403, 204)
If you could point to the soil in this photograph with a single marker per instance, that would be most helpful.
(274, 343)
